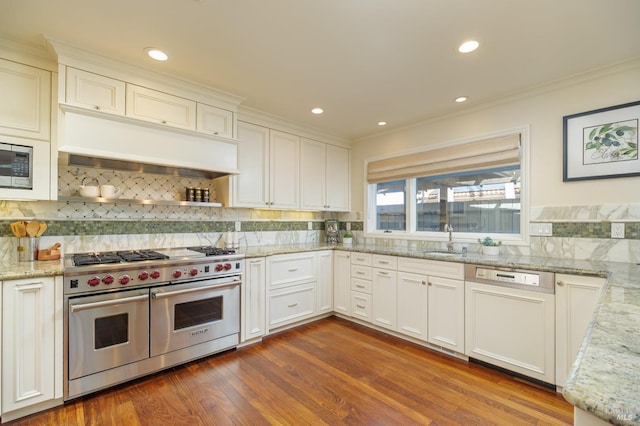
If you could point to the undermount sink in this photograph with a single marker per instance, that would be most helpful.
(442, 253)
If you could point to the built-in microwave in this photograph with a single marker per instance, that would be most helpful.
(16, 166)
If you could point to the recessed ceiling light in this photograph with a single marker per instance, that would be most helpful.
(317, 110)
(461, 99)
(382, 123)
(468, 46)
(156, 54)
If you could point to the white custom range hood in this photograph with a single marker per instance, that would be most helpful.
(141, 143)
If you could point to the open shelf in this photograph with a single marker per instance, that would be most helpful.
(76, 199)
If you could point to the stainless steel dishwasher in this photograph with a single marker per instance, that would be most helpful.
(510, 319)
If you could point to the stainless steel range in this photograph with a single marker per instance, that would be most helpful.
(131, 313)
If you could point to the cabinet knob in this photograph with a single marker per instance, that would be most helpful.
(425, 283)
(97, 108)
(429, 282)
(560, 283)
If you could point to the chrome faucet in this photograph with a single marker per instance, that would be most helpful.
(448, 228)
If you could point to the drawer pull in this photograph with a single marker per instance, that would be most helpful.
(293, 269)
(360, 272)
(560, 283)
(359, 286)
(360, 306)
(292, 305)
(382, 273)
(360, 259)
(384, 262)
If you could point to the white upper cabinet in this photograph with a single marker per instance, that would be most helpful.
(324, 176)
(159, 107)
(250, 188)
(284, 183)
(313, 175)
(25, 101)
(338, 179)
(268, 164)
(214, 121)
(93, 91)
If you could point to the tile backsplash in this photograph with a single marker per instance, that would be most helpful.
(581, 232)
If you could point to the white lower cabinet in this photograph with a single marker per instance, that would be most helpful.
(361, 287)
(291, 304)
(361, 306)
(31, 346)
(324, 273)
(292, 288)
(446, 313)
(412, 305)
(576, 300)
(431, 302)
(254, 299)
(385, 298)
(341, 282)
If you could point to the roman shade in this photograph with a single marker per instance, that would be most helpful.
(483, 154)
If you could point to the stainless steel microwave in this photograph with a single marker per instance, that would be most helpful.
(16, 166)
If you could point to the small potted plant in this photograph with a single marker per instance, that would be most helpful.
(490, 247)
(347, 238)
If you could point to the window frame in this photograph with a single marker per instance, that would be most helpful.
(410, 232)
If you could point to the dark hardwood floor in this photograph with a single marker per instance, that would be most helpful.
(327, 372)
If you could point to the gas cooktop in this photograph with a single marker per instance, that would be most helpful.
(160, 256)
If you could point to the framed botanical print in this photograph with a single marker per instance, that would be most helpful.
(602, 143)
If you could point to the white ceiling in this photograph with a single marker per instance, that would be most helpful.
(363, 61)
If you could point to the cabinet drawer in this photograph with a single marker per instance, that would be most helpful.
(361, 306)
(361, 259)
(384, 262)
(289, 270)
(362, 272)
(292, 304)
(432, 268)
(363, 286)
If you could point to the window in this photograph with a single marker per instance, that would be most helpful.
(486, 202)
(391, 206)
(475, 187)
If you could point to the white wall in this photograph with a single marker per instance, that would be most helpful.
(542, 109)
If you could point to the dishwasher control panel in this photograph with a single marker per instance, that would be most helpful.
(523, 278)
(538, 281)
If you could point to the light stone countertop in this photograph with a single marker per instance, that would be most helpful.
(605, 378)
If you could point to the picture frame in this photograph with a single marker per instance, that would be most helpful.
(602, 143)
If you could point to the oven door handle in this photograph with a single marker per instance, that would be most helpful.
(106, 303)
(162, 295)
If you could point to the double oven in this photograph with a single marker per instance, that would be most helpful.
(132, 313)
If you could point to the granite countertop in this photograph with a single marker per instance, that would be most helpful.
(605, 378)
(20, 270)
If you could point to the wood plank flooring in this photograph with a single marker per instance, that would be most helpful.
(328, 372)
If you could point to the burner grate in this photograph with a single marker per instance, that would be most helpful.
(212, 251)
(95, 258)
(116, 257)
(139, 255)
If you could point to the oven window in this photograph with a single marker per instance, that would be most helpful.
(111, 331)
(198, 312)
